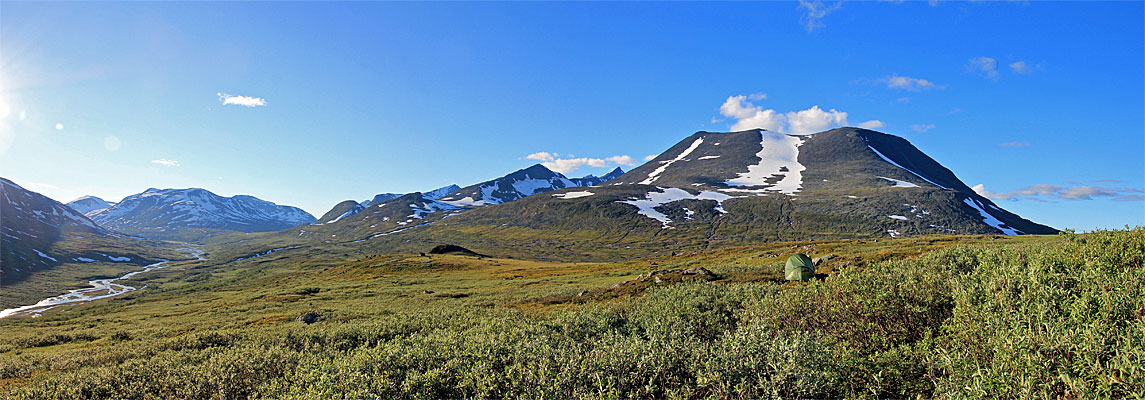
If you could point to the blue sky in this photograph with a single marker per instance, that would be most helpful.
(1041, 103)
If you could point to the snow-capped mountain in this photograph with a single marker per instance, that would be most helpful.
(519, 184)
(590, 180)
(340, 210)
(842, 165)
(172, 213)
(32, 224)
(348, 208)
(440, 192)
(717, 188)
(88, 204)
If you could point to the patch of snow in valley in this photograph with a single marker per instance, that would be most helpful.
(778, 152)
(900, 184)
(655, 174)
(898, 217)
(572, 195)
(83, 259)
(708, 157)
(990, 219)
(894, 233)
(116, 259)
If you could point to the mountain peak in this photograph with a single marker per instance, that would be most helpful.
(88, 204)
(616, 173)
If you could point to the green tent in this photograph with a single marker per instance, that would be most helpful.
(799, 268)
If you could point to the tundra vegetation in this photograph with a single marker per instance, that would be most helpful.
(920, 317)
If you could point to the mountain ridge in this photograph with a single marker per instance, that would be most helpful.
(194, 212)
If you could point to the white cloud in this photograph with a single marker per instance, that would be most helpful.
(814, 11)
(981, 190)
(649, 157)
(908, 83)
(921, 127)
(621, 160)
(241, 100)
(569, 164)
(541, 156)
(751, 116)
(814, 120)
(987, 66)
(757, 96)
(737, 107)
(1045, 192)
(872, 124)
(1021, 67)
(165, 162)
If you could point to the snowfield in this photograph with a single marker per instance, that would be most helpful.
(647, 205)
(778, 152)
(572, 195)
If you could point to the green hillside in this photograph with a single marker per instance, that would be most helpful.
(929, 316)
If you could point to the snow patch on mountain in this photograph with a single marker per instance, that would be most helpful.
(572, 195)
(900, 184)
(778, 157)
(430, 207)
(440, 192)
(647, 205)
(887, 159)
(43, 255)
(655, 174)
(990, 219)
(468, 201)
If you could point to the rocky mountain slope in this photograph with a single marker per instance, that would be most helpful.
(31, 224)
(38, 233)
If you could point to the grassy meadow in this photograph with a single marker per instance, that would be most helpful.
(919, 317)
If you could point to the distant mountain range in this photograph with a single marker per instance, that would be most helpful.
(350, 207)
(520, 184)
(712, 188)
(192, 213)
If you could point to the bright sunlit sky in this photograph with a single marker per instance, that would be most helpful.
(308, 104)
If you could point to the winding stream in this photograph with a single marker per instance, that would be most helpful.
(100, 289)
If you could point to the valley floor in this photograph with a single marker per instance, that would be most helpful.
(932, 316)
